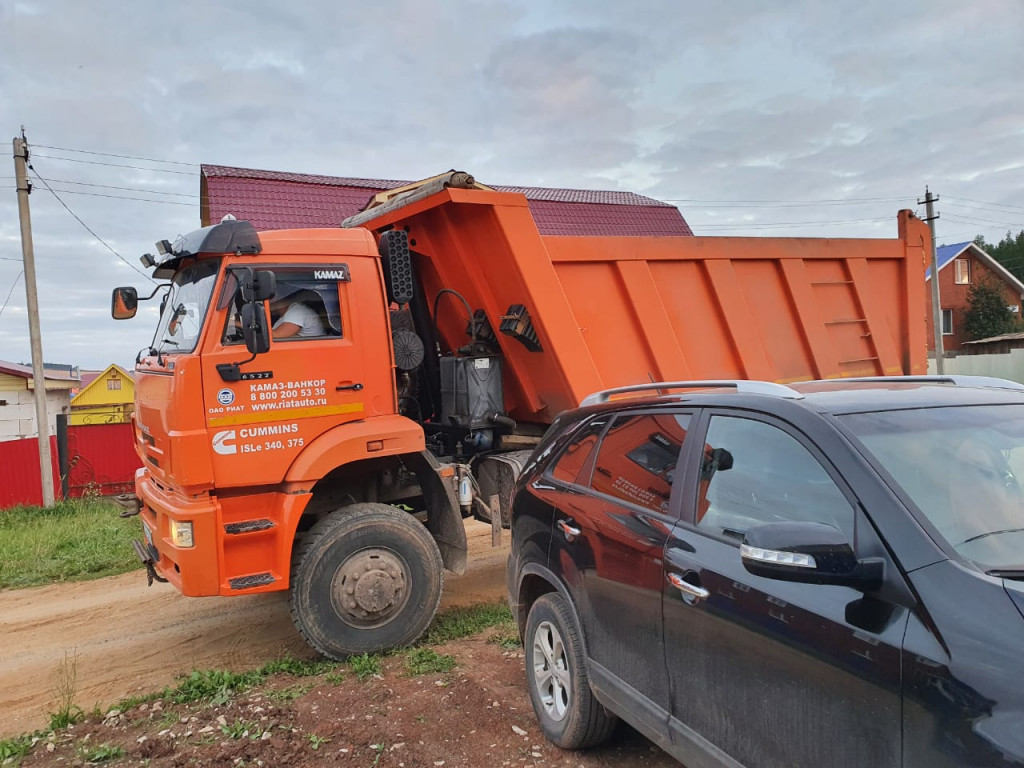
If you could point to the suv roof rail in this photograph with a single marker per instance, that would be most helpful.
(740, 385)
(956, 380)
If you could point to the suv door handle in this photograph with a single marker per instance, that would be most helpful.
(569, 531)
(688, 589)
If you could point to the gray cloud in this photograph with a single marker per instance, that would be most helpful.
(707, 102)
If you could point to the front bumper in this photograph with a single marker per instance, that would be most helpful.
(194, 571)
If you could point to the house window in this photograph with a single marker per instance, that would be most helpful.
(947, 322)
(113, 383)
(963, 271)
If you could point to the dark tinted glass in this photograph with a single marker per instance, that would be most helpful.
(754, 473)
(637, 459)
(573, 459)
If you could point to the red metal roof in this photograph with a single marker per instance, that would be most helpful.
(275, 200)
(59, 373)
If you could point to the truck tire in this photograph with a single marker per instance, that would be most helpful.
(364, 579)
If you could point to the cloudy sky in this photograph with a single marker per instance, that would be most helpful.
(794, 118)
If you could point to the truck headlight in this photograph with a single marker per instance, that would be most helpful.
(181, 534)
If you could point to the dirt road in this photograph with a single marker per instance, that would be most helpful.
(130, 639)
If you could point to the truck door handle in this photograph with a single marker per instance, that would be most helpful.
(569, 531)
(343, 387)
(688, 589)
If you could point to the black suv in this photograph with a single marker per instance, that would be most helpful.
(823, 574)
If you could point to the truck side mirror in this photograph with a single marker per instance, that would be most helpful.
(255, 329)
(258, 286)
(124, 302)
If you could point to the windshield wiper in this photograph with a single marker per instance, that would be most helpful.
(1016, 574)
(990, 533)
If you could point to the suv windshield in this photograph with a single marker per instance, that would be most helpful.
(181, 317)
(963, 467)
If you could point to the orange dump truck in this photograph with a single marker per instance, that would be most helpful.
(319, 409)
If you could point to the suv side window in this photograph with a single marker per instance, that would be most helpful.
(572, 464)
(752, 473)
(636, 462)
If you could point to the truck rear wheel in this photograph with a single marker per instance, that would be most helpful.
(364, 579)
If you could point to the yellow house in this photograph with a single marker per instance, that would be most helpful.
(109, 398)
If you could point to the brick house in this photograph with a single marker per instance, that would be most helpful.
(960, 266)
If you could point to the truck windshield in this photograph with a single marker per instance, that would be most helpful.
(183, 311)
(963, 467)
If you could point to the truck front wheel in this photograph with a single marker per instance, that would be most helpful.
(364, 579)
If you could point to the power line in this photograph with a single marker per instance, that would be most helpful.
(88, 228)
(125, 189)
(116, 165)
(122, 197)
(10, 258)
(780, 224)
(825, 201)
(983, 202)
(11, 291)
(123, 157)
(972, 220)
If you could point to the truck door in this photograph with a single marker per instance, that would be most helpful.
(310, 380)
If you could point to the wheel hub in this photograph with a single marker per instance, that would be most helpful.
(369, 588)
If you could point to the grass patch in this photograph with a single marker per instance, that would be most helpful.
(506, 638)
(366, 665)
(13, 749)
(457, 623)
(101, 754)
(72, 541)
(215, 686)
(298, 667)
(425, 661)
(242, 729)
(290, 693)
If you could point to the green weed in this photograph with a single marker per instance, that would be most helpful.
(507, 638)
(242, 729)
(366, 665)
(65, 688)
(425, 661)
(71, 541)
(15, 748)
(215, 686)
(101, 753)
(290, 693)
(315, 741)
(457, 623)
(298, 667)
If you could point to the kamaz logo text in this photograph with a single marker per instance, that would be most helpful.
(330, 274)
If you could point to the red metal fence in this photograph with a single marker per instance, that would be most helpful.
(101, 461)
(19, 472)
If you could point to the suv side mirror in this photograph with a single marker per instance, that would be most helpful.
(255, 329)
(124, 302)
(810, 553)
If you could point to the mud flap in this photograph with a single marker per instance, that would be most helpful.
(497, 477)
(444, 516)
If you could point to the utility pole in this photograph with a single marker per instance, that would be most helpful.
(38, 375)
(936, 304)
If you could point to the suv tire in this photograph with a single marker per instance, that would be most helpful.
(556, 673)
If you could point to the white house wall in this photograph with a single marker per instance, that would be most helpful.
(18, 417)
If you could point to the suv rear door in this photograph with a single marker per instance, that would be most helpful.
(611, 526)
(774, 673)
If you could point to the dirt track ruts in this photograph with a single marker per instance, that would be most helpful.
(131, 639)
